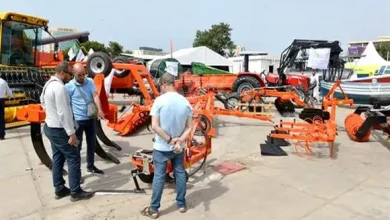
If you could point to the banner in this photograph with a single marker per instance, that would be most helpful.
(172, 67)
(319, 58)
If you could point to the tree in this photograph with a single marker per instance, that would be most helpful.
(95, 46)
(384, 49)
(114, 48)
(217, 38)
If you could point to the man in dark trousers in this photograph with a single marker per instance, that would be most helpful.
(60, 129)
(4, 91)
(82, 91)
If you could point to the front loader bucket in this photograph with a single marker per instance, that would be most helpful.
(40, 150)
(103, 137)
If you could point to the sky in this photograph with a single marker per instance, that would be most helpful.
(258, 25)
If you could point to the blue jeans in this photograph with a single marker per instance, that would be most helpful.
(160, 161)
(89, 126)
(63, 151)
(2, 121)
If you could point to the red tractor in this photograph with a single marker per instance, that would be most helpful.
(246, 80)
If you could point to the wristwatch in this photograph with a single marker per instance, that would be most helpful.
(170, 139)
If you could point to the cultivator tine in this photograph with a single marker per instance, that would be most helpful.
(39, 146)
(278, 141)
(105, 155)
(103, 137)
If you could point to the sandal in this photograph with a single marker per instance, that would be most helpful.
(149, 213)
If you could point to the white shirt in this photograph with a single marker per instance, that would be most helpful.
(4, 89)
(56, 102)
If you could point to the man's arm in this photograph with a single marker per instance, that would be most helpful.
(188, 128)
(155, 113)
(96, 99)
(64, 110)
(8, 90)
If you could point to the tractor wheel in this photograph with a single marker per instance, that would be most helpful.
(232, 100)
(121, 73)
(244, 83)
(98, 63)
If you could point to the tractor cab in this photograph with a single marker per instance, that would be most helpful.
(19, 36)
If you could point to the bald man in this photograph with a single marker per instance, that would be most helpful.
(82, 91)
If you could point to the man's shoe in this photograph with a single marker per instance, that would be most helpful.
(183, 209)
(95, 170)
(2, 138)
(82, 195)
(62, 193)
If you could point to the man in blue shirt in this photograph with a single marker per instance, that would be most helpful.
(172, 121)
(83, 84)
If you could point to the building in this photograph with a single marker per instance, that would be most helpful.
(56, 32)
(149, 51)
(356, 48)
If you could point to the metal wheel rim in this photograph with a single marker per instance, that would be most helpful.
(233, 102)
(245, 87)
(95, 63)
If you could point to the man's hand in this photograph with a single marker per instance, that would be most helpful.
(174, 141)
(72, 140)
(177, 149)
(101, 115)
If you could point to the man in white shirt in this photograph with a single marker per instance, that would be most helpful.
(60, 129)
(4, 91)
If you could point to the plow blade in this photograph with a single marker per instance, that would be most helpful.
(269, 149)
(105, 155)
(278, 141)
(40, 150)
(103, 137)
(39, 146)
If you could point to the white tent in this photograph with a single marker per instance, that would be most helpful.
(371, 57)
(199, 54)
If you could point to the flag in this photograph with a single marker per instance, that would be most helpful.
(80, 56)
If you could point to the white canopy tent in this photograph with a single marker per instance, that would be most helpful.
(370, 56)
(198, 54)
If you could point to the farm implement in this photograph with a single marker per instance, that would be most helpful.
(35, 115)
(318, 125)
(360, 124)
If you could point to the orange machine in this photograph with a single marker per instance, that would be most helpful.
(318, 127)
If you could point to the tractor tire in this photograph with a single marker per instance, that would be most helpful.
(245, 83)
(232, 100)
(121, 73)
(99, 63)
